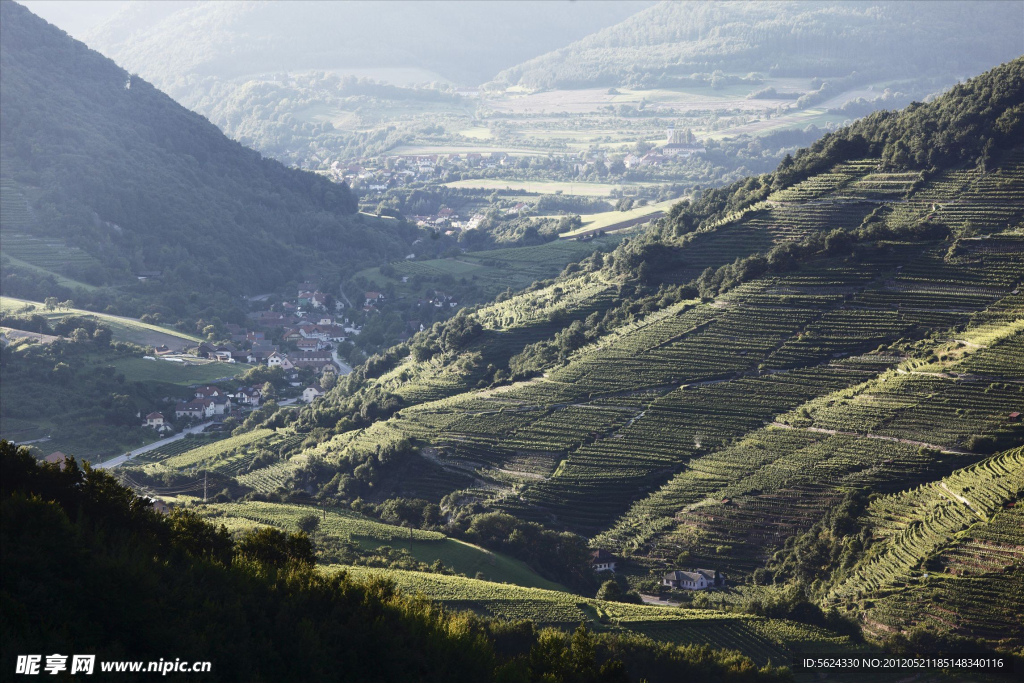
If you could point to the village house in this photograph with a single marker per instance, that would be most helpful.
(653, 158)
(311, 393)
(198, 409)
(475, 221)
(309, 344)
(279, 360)
(316, 360)
(248, 396)
(603, 561)
(56, 458)
(209, 391)
(221, 405)
(696, 580)
(373, 298)
(157, 422)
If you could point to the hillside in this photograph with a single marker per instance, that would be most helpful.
(254, 608)
(705, 393)
(666, 44)
(417, 42)
(105, 178)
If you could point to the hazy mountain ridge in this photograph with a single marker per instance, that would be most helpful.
(227, 40)
(826, 39)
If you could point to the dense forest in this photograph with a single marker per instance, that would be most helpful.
(673, 42)
(111, 166)
(89, 567)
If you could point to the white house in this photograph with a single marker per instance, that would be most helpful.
(603, 561)
(696, 580)
(157, 422)
(279, 360)
(311, 393)
(198, 408)
(248, 396)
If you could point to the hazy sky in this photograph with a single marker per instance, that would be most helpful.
(74, 16)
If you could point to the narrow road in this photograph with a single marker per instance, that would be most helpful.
(345, 367)
(654, 600)
(121, 459)
(348, 302)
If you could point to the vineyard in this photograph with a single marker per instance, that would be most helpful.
(425, 546)
(715, 429)
(949, 554)
(763, 640)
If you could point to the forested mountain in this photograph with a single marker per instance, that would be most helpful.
(100, 164)
(736, 387)
(665, 44)
(175, 48)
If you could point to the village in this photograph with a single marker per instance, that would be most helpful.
(298, 343)
(373, 177)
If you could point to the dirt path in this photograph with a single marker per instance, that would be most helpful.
(878, 437)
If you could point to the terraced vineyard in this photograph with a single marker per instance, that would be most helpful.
(761, 639)
(716, 429)
(949, 555)
(48, 254)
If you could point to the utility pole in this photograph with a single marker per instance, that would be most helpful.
(204, 487)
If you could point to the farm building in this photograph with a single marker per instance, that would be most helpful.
(603, 561)
(698, 579)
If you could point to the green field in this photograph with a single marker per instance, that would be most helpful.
(493, 271)
(124, 329)
(597, 221)
(61, 280)
(424, 546)
(143, 370)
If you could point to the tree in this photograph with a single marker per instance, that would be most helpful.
(309, 524)
(66, 305)
(51, 303)
(103, 336)
(328, 380)
(276, 548)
